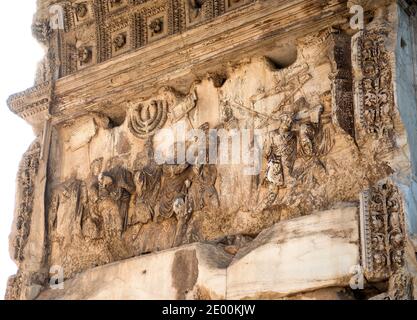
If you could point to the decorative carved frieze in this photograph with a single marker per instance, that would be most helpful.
(254, 133)
(25, 190)
(120, 26)
(383, 230)
(136, 69)
(374, 86)
(400, 285)
(32, 102)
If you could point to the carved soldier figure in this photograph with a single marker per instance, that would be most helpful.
(281, 151)
(148, 184)
(183, 210)
(203, 191)
(307, 135)
(282, 142)
(173, 186)
(67, 209)
(228, 120)
(147, 179)
(115, 188)
(92, 220)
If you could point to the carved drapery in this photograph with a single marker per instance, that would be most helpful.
(132, 206)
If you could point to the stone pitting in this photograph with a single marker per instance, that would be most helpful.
(329, 208)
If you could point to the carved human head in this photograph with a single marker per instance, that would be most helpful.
(301, 104)
(286, 121)
(187, 184)
(397, 239)
(326, 100)
(307, 131)
(96, 167)
(369, 69)
(368, 44)
(157, 25)
(105, 180)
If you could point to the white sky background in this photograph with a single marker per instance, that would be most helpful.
(19, 54)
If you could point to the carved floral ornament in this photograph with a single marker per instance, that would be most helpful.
(383, 230)
(110, 205)
(26, 183)
(157, 26)
(377, 103)
(120, 41)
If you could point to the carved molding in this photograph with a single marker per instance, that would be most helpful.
(194, 57)
(139, 22)
(30, 102)
(25, 184)
(374, 86)
(383, 230)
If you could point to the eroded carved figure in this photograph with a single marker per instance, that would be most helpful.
(322, 115)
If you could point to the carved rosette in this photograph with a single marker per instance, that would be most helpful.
(375, 88)
(114, 27)
(145, 119)
(383, 231)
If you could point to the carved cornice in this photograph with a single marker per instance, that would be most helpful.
(31, 102)
(182, 58)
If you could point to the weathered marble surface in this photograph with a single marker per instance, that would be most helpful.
(333, 110)
(300, 255)
(191, 272)
(305, 254)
